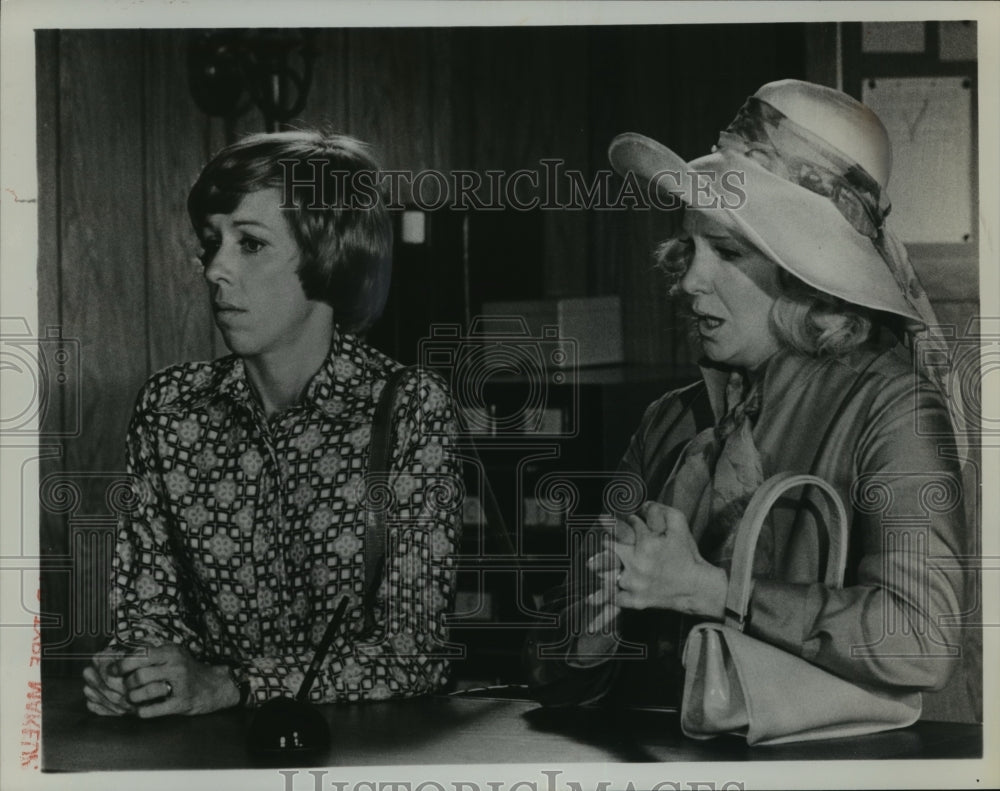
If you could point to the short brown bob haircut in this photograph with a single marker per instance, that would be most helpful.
(333, 206)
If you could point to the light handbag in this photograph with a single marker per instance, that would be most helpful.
(735, 683)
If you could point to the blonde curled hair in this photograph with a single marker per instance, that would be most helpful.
(803, 318)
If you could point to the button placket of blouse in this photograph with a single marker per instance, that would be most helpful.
(274, 516)
(283, 424)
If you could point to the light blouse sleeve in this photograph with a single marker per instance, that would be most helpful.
(407, 653)
(896, 622)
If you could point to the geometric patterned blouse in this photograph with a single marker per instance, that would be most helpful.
(248, 531)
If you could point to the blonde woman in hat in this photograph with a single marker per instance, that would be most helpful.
(814, 334)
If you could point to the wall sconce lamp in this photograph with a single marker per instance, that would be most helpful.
(231, 70)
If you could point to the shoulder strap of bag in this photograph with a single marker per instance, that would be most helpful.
(378, 466)
(738, 596)
(379, 450)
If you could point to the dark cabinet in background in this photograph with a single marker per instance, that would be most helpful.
(447, 263)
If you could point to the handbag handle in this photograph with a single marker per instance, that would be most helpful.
(748, 531)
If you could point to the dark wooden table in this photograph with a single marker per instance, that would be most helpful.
(471, 729)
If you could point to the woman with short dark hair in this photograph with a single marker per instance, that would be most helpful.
(332, 204)
(254, 505)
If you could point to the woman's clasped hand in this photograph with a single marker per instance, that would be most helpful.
(155, 681)
(660, 565)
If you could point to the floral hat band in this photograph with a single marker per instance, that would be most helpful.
(763, 133)
(766, 135)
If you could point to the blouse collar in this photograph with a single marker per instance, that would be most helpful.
(342, 371)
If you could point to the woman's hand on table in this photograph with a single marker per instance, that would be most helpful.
(104, 689)
(662, 567)
(162, 680)
(168, 680)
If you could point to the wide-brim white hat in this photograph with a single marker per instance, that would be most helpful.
(801, 231)
(802, 173)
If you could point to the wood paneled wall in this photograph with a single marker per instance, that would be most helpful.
(114, 273)
(120, 141)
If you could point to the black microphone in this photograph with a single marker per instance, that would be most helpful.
(292, 730)
(322, 650)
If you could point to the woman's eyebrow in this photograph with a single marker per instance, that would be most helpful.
(251, 222)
